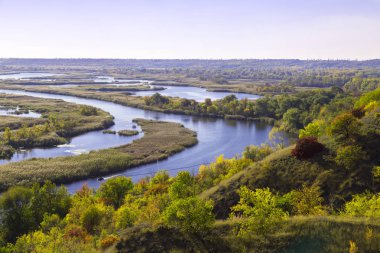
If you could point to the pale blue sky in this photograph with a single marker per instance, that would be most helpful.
(313, 29)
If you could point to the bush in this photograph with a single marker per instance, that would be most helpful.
(109, 240)
(88, 110)
(307, 147)
(190, 214)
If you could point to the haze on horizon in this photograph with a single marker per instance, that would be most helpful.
(180, 29)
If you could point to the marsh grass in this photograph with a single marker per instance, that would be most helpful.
(69, 121)
(161, 139)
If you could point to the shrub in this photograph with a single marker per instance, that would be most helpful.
(307, 147)
(260, 210)
(190, 214)
(350, 156)
(109, 240)
(88, 110)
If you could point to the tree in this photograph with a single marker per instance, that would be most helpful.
(307, 201)
(7, 135)
(256, 153)
(125, 216)
(49, 199)
(277, 137)
(114, 190)
(365, 204)
(306, 148)
(345, 127)
(260, 210)
(190, 214)
(91, 218)
(350, 156)
(313, 129)
(291, 118)
(183, 186)
(16, 216)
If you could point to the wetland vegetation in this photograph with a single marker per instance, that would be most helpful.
(59, 121)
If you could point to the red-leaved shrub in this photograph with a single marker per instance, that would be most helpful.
(307, 147)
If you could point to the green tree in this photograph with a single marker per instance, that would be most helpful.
(190, 214)
(125, 216)
(183, 186)
(114, 190)
(345, 127)
(16, 216)
(260, 211)
(49, 199)
(313, 129)
(307, 201)
(91, 218)
(350, 156)
(257, 153)
(366, 204)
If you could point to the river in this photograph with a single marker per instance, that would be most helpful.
(215, 136)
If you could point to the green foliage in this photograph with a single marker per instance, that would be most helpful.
(313, 129)
(367, 205)
(259, 210)
(156, 100)
(16, 216)
(219, 170)
(183, 186)
(345, 127)
(91, 218)
(49, 199)
(189, 214)
(88, 110)
(257, 153)
(126, 216)
(350, 156)
(113, 190)
(307, 201)
(368, 97)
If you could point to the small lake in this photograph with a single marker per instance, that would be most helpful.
(215, 136)
(26, 75)
(196, 93)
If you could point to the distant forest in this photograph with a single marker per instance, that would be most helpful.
(209, 64)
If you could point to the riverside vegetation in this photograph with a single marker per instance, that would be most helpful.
(160, 140)
(59, 121)
(318, 195)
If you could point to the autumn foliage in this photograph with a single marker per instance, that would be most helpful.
(307, 147)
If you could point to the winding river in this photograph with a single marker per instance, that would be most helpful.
(215, 136)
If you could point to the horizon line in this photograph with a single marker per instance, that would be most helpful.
(184, 59)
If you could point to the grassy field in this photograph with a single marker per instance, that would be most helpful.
(161, 139)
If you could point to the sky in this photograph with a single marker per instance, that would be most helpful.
(189, 29)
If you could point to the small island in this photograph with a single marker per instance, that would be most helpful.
(128, 132)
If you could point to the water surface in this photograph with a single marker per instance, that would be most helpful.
(25, 75)
(196, 93)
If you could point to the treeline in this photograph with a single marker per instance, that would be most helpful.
(205, 64)
(294, 110)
